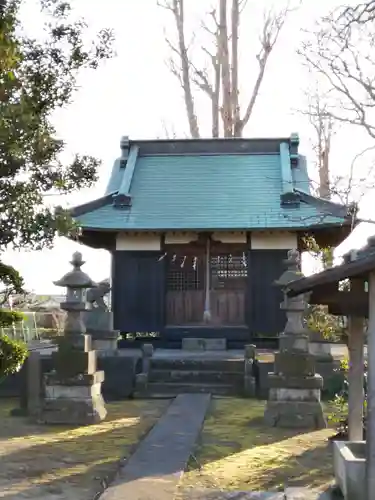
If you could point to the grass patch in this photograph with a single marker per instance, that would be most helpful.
(40, 461)
(236, 451)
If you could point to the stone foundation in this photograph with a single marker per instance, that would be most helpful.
(75, 401)
(295, 414)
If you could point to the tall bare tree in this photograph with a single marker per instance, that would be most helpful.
(323, 129)
(218, 79)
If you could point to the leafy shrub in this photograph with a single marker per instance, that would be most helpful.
(339, 415)
(319, 320)
(13, 354)
(8, 318)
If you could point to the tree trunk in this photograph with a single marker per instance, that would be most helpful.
(225, 71)
(178, 6)
(235, 108)
(325, 150)
(215, 100)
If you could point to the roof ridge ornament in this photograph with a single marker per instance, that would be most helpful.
(293, 149)
(288, 197)
(123, 198)
(125, 147)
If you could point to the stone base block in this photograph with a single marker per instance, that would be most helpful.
(83, 379)
(295, 414)
(294, 343)
(322, 351)
(105, 344)
(64, 411)
(349, 464)
(294, 364)
(287, 394)
(104, 340)
(282, 382)
(80, 342)
(73, 362)
(198, 344)
(73, 391)
(78, 403)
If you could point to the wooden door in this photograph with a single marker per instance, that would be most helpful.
(228, 288)
(185, 288)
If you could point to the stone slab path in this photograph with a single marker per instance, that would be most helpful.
(154, 470)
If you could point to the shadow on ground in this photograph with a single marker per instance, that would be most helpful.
(65, 463)
(237, 451)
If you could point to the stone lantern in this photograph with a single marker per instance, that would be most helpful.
(294, 387)
(73, 389)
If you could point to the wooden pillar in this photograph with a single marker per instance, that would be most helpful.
(207, 298)
(356, 370)
(370, 424)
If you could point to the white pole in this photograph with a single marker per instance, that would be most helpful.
(370, 423)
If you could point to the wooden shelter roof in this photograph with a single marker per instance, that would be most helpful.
(324, 286)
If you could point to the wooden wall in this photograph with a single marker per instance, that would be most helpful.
(138, 295)
(263, 307)
(139, 292)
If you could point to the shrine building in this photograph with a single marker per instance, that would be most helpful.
(198, 230)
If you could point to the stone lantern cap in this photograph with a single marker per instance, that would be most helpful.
(76, 278)
(293, 269)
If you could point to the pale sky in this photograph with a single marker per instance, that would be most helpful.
(134, 93)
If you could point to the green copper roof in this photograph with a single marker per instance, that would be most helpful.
(222, 184)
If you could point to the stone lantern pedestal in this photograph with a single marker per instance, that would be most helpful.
(98, 319)
(294, 387)
(73, 389)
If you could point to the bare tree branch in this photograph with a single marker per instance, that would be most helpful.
(341, 52)
(323, 127)
(202, 79)
(272, 26)
(360, 14)
(218, 78)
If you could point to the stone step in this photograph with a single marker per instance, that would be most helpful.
(197, 376)
(169, 389)
(186, 364)
(203, 344)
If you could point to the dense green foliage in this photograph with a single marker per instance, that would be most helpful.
(8, 318)
(329, 327)
(13, 354)
(340, 411)
(38, 76)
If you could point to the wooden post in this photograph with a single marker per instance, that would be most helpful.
(370, 424)
(356, 371)
(207, 304)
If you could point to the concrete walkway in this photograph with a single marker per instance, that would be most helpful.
(154, 470)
